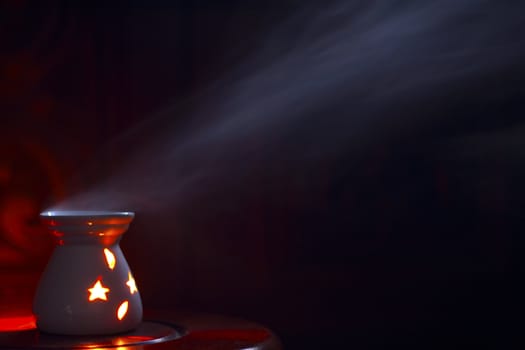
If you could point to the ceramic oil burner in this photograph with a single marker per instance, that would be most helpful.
(87, 287)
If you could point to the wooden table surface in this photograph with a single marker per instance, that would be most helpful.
(200, 331)
(214, 332)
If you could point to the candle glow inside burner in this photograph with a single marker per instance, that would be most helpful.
(87, 287)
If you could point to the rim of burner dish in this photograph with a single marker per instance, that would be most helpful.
(86, 217)
(85, 213)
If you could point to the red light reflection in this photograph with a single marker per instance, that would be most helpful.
(138, 338)
(17, 323)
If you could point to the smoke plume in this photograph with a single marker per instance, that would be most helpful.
(327, 83)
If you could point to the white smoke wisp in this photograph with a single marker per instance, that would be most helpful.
(333, 78)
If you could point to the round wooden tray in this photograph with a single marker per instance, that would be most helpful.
(161, 330)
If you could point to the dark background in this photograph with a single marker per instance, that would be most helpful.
(413, 245)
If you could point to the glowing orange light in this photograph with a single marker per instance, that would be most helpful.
(122, 310)
(131, 284)
(110, 258)
(98, 291)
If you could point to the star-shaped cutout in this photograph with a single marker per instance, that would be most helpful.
(98, 291)
(131, 284)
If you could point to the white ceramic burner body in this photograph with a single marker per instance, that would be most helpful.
(87, 287)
